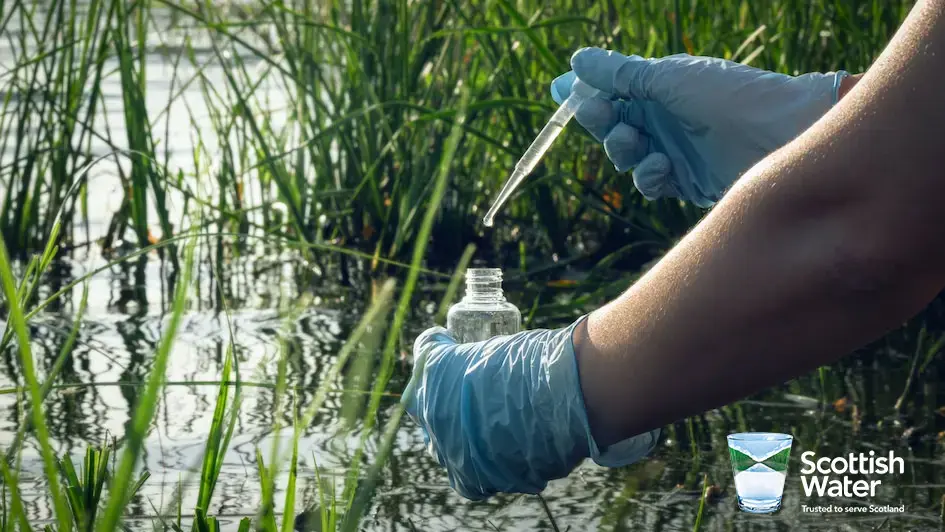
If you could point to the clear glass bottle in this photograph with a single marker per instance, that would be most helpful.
(483, 311)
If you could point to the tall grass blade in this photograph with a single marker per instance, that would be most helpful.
(406, 296)
(17, 513)
(64, 353)
(702, 498)
(218, 439)
(457, 278)
(18, 322)
(144, 410)
(360, 502)
(372, 319)
(288, 511)
(266, 520)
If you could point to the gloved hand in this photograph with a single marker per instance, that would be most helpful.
(689, 126)
(506, 414)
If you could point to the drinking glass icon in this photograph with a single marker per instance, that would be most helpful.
(759, 463)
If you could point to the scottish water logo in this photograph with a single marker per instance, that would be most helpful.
(759, 463)
(830, 476)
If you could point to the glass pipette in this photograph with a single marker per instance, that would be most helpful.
(579, 93)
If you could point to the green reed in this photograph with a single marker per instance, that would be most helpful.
(97, 495)
(370, 90)
(18, 325)
(366, 94)
(48, 113)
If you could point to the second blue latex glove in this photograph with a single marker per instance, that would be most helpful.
(690, 126)
(507, 414)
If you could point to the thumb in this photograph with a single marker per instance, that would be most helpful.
(561, 87)
(627, 76)
(428, 341)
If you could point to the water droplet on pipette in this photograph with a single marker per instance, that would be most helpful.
(487, 221)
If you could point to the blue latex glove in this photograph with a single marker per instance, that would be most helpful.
(689, 126)
(506, 414)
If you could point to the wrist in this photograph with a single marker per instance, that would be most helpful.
(847, 83)
(608, 443)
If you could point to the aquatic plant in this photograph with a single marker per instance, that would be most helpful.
(330, 117)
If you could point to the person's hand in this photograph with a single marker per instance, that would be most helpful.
(690, 126)
(507, 414)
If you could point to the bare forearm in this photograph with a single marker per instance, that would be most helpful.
(802, 262)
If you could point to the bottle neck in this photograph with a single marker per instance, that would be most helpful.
(484, 285)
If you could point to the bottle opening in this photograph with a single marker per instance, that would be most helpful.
(484, 283)
(480, 274)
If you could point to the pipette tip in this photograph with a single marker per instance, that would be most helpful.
(487, 221)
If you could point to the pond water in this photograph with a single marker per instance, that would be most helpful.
(125, 320)
(127, 313)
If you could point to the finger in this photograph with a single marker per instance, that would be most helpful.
(625, 146)
(625, 76)
(430, 339)
(652, 176)
(561, 86)
(630, 112)
(598, 116)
